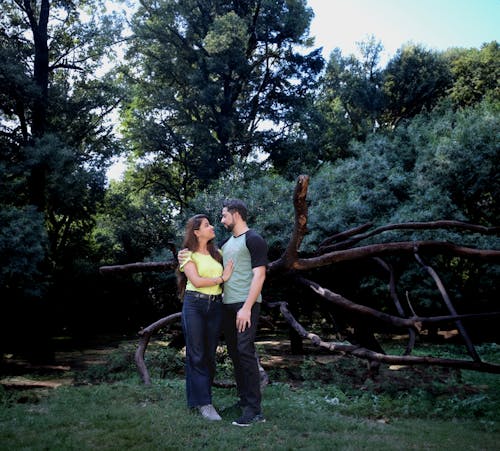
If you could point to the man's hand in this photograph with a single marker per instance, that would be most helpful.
(182, 256)
(243, 319)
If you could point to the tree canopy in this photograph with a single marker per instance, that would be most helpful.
(213, 84)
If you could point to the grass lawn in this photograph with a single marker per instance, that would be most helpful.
(107, 409)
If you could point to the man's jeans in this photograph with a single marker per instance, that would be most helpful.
(241, 349)
(201, 323)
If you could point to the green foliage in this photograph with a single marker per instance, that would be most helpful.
(415, 79)
(165, 362)
(56, 141)
(132, 225)
(119, 366)
(351, 96)
(442, 165)
(268, 198)
(476, 73)
(455, 173)
(22, 248)
(205, 76)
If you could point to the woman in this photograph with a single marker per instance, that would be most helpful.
(201, 276)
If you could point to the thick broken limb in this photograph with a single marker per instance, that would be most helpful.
(404, 247)
(346, 304)
(367, 354)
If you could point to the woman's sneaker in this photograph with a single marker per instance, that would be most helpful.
(248, 418)
(209, 412)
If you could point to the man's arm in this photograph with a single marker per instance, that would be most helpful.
(244, 313)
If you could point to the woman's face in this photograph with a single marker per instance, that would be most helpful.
(205, 231)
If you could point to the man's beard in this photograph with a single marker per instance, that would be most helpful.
(229, 227)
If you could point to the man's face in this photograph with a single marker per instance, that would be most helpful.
(227, 219)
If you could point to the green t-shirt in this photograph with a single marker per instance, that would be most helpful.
(206, 266)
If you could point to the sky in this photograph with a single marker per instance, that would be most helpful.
(436, 24)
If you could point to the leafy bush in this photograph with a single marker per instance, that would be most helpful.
(165, 362)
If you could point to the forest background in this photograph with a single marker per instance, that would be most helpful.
(207, 100)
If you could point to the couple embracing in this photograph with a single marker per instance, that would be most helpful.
(221, 289)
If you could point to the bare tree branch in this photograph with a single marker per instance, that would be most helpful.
(394, 296)
(468, 343)
(144, 341)
(326, 246)
(139, 267)
(367, 354)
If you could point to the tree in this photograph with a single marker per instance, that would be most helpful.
(213, 84)
(350, 99)
(55, 134)
(54, 118)
(475, 74)
(414, 79)
(343, 247)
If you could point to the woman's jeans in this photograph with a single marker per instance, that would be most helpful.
(201, 323)
(241, 349)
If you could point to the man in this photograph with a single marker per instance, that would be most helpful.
(241, 306)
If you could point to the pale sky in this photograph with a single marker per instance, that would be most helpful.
(437, 24)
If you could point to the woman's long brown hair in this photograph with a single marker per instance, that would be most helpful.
(190, 242)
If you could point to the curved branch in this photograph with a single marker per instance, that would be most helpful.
(432, 225)
(144, 341)
(414, 322)
(343, 235)
(346, 304)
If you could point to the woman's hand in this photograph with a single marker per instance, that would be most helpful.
(228, 270)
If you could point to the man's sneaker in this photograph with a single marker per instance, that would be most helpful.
(248, 418)
(209, 412)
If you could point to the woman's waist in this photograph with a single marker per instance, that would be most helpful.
(213, 290)
(204, 296)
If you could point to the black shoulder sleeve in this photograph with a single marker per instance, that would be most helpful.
(224, 241)
(257, 247)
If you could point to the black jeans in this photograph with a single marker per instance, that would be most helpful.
(241, 349)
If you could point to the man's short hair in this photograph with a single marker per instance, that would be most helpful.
(238, 205)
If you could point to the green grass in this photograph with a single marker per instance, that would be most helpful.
(127, 415)
(325, 407)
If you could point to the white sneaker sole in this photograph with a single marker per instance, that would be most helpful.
(245, 425)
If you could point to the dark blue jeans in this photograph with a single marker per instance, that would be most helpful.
(241, 349)
(201, 323)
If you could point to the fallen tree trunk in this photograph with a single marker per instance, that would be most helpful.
(337, 249)
(367, 354)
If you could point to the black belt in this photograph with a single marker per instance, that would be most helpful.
(208, 297)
